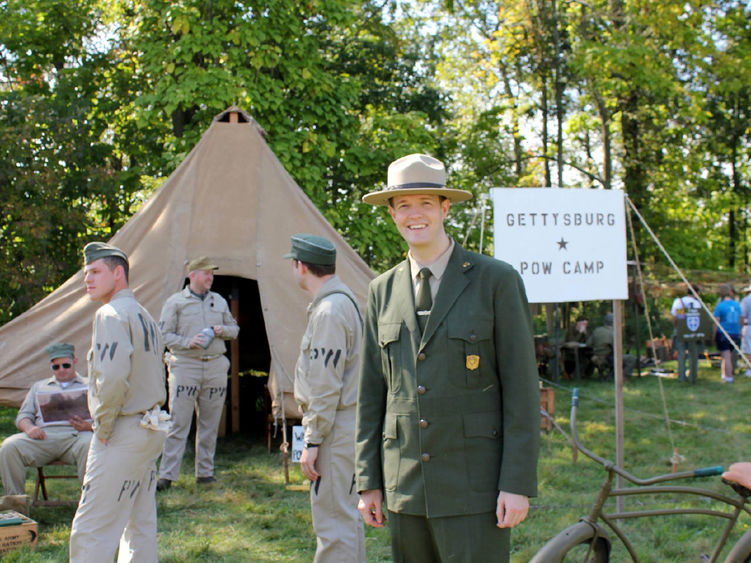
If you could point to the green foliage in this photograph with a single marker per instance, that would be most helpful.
(107, 96)
(99, 98)
(654, 101)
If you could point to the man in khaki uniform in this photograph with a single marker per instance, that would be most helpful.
(195, 322)
(448, 413)
(41, 442)
(326, 389)
(126, 388)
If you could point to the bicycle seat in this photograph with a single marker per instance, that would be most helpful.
(739, 473)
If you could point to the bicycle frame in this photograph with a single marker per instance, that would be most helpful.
(647, 487)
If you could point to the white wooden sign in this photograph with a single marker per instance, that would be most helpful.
(298, 443)
(567, 244)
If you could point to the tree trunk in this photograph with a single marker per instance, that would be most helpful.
(558, 84)
(607, 158)
(180, 119)
(518, 137)
(545, 113)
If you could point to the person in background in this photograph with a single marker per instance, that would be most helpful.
(681, 345)
(576, 355)
(577, 332)
(195, 323)
(326, 377)
(746, 328)
(728, 314)
(126, 389)
(601, 341)
(40, 442)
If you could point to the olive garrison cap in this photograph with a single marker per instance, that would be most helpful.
(61, 350)
(96, 250)
(312, 249)
(201, 263)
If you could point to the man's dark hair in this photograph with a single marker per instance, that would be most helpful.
(320, 270)
(115, 261)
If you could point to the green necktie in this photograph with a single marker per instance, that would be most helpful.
(424, 299)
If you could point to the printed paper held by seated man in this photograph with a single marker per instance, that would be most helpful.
(58, 407)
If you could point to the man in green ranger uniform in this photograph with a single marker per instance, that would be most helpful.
(448, 406)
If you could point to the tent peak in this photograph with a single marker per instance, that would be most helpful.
(234, 114)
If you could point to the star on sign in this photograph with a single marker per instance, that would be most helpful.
(562, 244)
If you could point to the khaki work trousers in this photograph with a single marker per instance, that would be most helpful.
(118, 503)
(19, 452)
(460, 539)
(333, 498)
(200, 386)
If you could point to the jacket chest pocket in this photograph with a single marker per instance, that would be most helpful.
(189, 320)
(391, 354)
(212, 315)
(471, 354)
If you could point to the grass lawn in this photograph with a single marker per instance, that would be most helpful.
(251, 515)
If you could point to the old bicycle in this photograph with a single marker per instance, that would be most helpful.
(589, 539)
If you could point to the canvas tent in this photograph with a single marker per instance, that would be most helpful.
(231, 200)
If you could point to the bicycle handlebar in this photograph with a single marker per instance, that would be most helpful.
(709, 471)
(702, 472)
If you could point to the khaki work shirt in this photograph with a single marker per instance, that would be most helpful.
(327, 370)
(126, 373)
(185, 314)
(30, 407)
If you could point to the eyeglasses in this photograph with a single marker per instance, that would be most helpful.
(66, 365)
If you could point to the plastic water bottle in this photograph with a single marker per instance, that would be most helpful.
(208, 334)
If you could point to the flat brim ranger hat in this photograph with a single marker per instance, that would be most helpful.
(416, 174)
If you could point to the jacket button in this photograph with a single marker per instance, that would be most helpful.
(421, 356)
(421, 390)
(425, 457)
(424, 423)
(495, 433)
(472, 337)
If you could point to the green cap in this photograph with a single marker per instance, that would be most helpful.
(201, 263)
(96, 250)
(61, 350)
(312, 249)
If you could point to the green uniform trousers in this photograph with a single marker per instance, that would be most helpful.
(457, 539)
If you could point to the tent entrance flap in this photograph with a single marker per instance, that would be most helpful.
(250, 357)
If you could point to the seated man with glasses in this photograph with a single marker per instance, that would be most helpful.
(55, 424)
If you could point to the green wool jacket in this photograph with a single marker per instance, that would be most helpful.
(447, 419)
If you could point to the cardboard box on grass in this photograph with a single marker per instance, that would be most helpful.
(17, 533)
